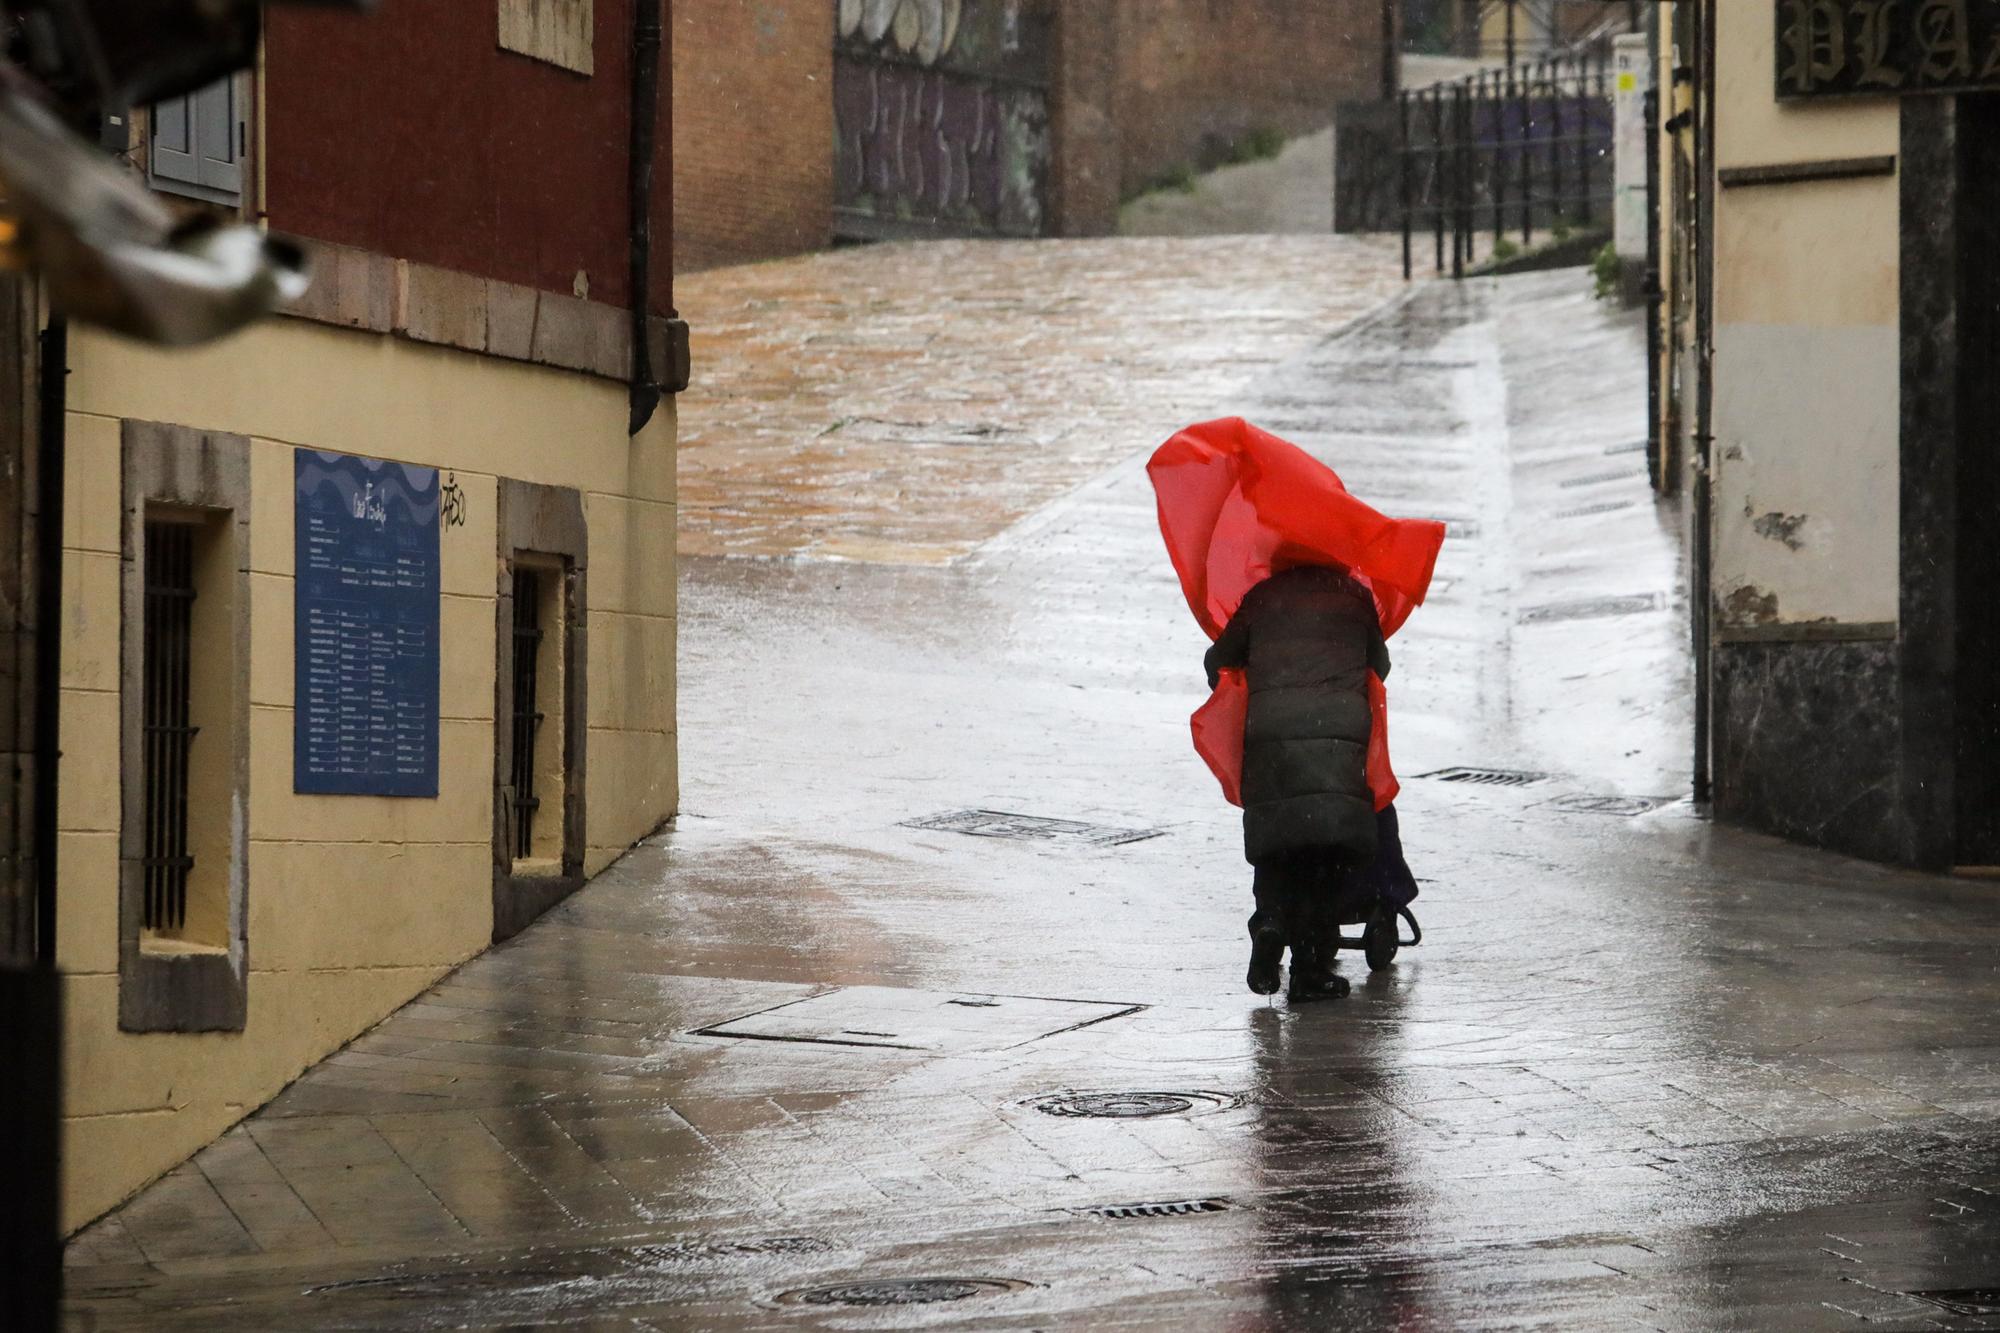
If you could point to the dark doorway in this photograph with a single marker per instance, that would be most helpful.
(1976, 654)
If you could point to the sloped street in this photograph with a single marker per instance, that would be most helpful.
(837, 1050)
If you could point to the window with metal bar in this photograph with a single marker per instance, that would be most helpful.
(165, 655)
(528, 634)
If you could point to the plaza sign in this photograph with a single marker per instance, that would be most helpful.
(1886, 48)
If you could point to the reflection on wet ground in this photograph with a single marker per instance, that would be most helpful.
(800, 1061)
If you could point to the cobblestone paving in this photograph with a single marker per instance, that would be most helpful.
(905, 402)
(1643, 1072)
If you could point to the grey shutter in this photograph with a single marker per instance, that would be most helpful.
(198, 143)
(217, 146)
(173, 141)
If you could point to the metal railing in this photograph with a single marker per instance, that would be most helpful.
(166, 652)
(1510, 151)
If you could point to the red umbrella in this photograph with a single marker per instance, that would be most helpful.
(1238, 504)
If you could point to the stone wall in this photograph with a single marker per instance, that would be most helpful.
(1196, 77)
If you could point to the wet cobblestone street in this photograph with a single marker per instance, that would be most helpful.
(801, 1053)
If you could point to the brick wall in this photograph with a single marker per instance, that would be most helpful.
(1084, 169)
(753, 129)
(1195, 76)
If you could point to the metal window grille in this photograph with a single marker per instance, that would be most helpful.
(165, 658)
(527, 714)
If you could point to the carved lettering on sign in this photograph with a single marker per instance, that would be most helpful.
(1817, 43)
(1872, 45)
(1833, 48)
(1946, 44)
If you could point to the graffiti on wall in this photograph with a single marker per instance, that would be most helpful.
(941, 119)
(921, 29)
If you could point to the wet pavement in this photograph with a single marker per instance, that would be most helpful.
(834, 1045)
(901, 403)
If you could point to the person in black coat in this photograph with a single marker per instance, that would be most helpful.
(1306, 639)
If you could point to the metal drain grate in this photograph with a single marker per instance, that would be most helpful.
(1030, 828)
(1591, 608)
(1486, 777)
(1601, 507)
(1132, 1105)
(1183, 1208)
(545, 1269)
(688, 1251)
(902, 1291)
(1609, 805)
(1963, 1300)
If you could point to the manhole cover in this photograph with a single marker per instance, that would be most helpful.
(895, 1019)
(1133, 1105)
(1030, 828)
(902, 1291)
(1591, 608)
(1602, 507)
(1609, 805)
(1183, 1208)
(1963, 1300)
(1486, 777)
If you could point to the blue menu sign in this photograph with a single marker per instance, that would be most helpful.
(366, 639)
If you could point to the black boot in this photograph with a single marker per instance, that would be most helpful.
(1313, 977)
(1267, 950)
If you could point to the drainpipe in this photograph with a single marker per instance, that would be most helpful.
(52, 452)
(639, 190)
(30, 989)
(1391, 78)
(1703, 603)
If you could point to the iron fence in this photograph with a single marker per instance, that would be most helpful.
(1512, 152)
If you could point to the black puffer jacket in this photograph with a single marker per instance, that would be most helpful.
(1306, 640)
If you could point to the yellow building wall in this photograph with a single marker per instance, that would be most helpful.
(1806, 376)
(356, 904)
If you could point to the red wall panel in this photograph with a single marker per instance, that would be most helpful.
(409, 132)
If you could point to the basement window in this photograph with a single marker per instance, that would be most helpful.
(538, 776)
(184, 731)
(185, 779)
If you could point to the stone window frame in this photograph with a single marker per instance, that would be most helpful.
(185, 468)
(562, 33)
(548, 522)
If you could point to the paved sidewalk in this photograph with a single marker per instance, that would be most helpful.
(784, 1065)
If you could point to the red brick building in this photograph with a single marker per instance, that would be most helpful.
(412, 134)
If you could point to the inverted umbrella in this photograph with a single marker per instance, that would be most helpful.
(1238, 504)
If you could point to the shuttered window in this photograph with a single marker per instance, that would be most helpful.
(198, 143)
